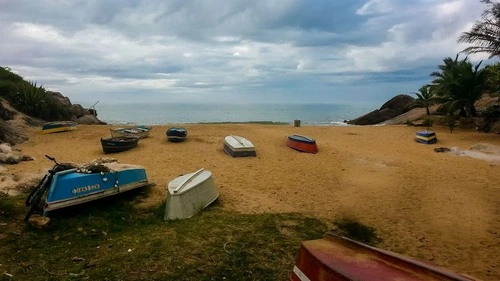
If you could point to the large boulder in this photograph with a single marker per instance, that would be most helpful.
(64, 101)
(399, 104)
(5, 114)
(10, 134)
(89, 120)
(78, 110)
(374, 117)
(392, 108)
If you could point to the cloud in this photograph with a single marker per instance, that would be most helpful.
(237, 50)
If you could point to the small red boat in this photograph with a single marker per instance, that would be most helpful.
(302, 143)
(336, 258)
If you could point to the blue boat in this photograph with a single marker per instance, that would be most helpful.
(176, 134)
(70, 186)
(426, 137)
(58, 126)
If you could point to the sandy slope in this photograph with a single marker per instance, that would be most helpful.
(434, 206)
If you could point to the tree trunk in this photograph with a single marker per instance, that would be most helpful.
(427, 109)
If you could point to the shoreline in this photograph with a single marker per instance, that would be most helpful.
(433, 206)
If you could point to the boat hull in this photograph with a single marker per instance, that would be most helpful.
(112, 145)
(426, 137)
(70, 187)
(137, 131)
(237, 146)
(58, 126)
(189, 194)
(176, 134)
(336, 258)
(302, 144)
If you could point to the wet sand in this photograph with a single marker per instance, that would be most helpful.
(438, 207)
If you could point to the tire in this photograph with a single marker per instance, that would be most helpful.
(37, 196)
(29, 199)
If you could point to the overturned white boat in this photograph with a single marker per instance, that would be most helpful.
(189, 194)
(237, 146)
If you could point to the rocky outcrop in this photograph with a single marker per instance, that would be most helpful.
(76, 111)
(11, 134)
(392, 108)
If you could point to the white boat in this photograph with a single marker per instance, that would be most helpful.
(189, 194)
(237, 146)
(135, 131)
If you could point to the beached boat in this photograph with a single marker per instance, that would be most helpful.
(336, 258)
(66, 185)
(135, 131)
(425, 136)
(58, 126)
(119, 144)
(302, 143)
(237, 146)
(176, 134)
(189, 194)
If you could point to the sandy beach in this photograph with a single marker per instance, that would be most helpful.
(438, 207)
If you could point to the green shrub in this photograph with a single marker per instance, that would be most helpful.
(451, 122)
(355, 230)
(428, 122)
(409, 123)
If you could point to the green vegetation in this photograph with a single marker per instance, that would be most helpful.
(451, 122)
(28, 97)
(355, 230)
(425, 98)
(112, 240)
(484, 33)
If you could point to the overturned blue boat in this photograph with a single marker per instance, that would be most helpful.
(426, 137)
(176, 134)
(68, 186)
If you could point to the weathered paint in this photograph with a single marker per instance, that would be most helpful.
(335, 258)
(302, 143)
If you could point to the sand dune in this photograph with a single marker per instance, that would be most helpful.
(440, 207)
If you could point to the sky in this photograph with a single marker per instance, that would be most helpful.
(232, 51)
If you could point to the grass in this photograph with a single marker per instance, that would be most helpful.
(112, 240)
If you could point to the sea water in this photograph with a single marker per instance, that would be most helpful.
(169, 113)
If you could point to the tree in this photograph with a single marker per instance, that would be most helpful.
(459, 84)
(485, 33)
(425, 98)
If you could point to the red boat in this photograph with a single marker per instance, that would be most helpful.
(336, 258)
(302, 143)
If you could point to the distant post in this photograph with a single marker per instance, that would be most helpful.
(296, 123)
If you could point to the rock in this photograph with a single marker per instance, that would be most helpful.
(467, 123)
(38, 221)
(442, 149)
(27, 158)
(78, 110)
(392, 108)
(11, 135)
(399, 104)
(495, 128)
(64, 101)
(89, 120)
(374, 117)
(6, 114)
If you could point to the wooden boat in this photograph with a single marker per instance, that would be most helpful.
(110, 145)
(58, 126)
(135, 131)
(336, 258)
(70, 186)
(237, 146)
(302, 143)
(176, 134)
(189, 194)
(425, 136)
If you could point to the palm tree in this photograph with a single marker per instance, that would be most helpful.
(425, 98)
(485, 34)
(459, 85)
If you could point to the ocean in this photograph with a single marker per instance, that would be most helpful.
(169, 113)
